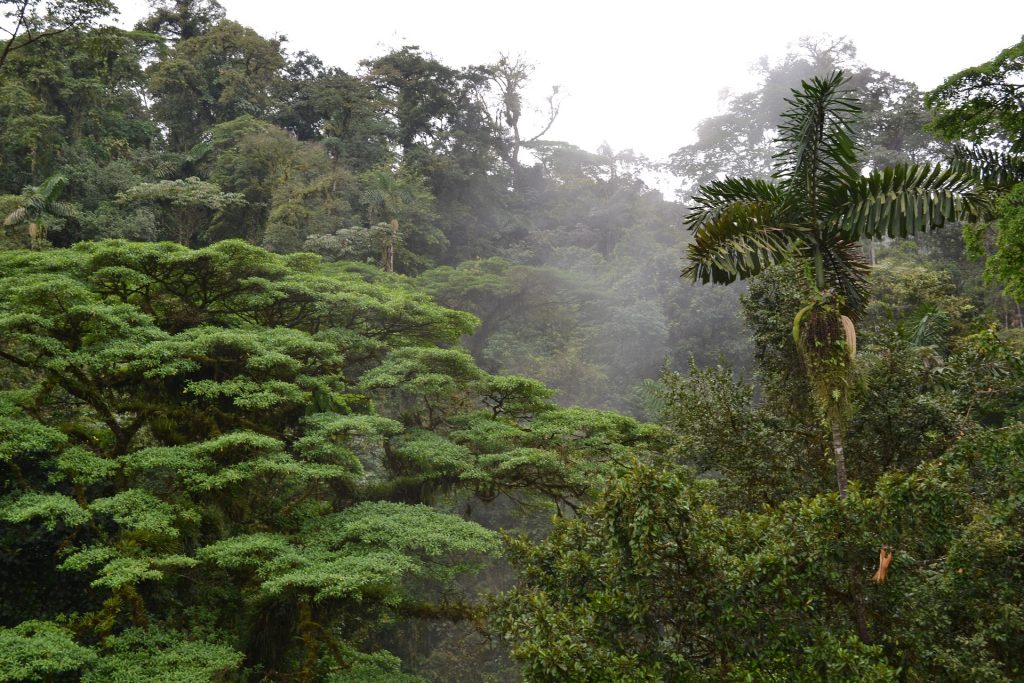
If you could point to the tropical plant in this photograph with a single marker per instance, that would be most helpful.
(819, 203)
(384, 195)
(817, 206)
(38, 206)
(1000, 170)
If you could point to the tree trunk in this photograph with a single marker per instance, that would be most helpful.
(389, 252)
(860, 611)
(856, 583)
(837, 450)
(819, 268)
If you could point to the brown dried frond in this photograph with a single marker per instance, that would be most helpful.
(884, 560)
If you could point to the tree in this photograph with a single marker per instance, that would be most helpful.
(387, 201)
(506, 297)
(38, 207)
(292, 188)
(344, 111)
(213, 77)
(77, 95)
(384, 196)
(654, 582)
(179, 20)
(1005, 264)
(184, 209)
(227, 460)
(502, 95)
(983, 104)
(443, 135)
(24, 26)
(741, 141)
(817, 207)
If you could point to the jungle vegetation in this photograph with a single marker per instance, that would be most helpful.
(309, 375)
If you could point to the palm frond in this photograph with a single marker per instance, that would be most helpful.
(198, 152)
(846, 271)
(905, 199)
(929, 327)
(739, 244)
(815, 134)
(995, 169)
(16, 217)
(61, 209)
(715, 198)
(52, 187)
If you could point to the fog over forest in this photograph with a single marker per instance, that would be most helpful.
(702, 360)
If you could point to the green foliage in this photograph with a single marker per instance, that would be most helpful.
(229, 464)
(244, 434)
(155, 656)
(52, 508)
(184, 207)
(377, 667)
(723, 434)
(38, 207)
(212, 77)
(653, 584)
(820, 203)
(906, 290)
(38, 650)
(292, 189)
(981, 103)
(1006, 263)
(30, 25)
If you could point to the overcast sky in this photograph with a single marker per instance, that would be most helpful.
(639, 73)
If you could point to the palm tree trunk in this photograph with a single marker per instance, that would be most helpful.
(837, 450)
(856, 584)
(819, 268)
(389, 253)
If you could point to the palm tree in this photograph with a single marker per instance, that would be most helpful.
(37, 205)
(384, 196)
(816, 207)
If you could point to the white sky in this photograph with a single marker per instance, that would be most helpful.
(638, 74)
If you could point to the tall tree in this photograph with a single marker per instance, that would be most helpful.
(77, 94)
(445, 137)
(817, 206)
(984, 104)
(219, 75)
(178, 20)
(223, 460)
(183, 209)
(27, 22)
(503, 96)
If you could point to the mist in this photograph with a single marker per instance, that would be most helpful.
(451, 343)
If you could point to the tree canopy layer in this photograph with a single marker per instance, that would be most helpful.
(654, 583)
(225, 455)
(294, 360)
